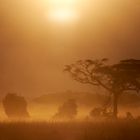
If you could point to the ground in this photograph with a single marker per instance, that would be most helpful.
(107, 130)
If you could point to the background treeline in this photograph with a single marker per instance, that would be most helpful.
(86, 99)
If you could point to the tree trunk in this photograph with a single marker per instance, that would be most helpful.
(115, 105)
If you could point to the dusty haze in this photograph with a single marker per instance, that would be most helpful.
(33, 50)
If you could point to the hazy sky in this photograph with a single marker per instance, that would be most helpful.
(34, 50)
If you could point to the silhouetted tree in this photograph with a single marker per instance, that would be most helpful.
(15, 106)
(116, 79)
(96, 112)
(67, 111)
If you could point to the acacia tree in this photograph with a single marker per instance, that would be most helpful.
(116, 78)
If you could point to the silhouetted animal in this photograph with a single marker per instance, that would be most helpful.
(15, 106)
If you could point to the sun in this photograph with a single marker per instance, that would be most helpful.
(62, 10)
(62, 15)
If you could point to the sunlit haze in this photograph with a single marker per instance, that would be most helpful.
(62, 10)
(69, 69)
(39, 37)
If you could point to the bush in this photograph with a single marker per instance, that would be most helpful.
(15, 106)
(67, 111)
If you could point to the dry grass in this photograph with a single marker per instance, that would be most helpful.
(110, 130)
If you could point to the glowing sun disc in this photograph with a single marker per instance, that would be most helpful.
(62, 15)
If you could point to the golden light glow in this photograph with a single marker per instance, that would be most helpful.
(62, 15)
(62, 2)
(62, 10)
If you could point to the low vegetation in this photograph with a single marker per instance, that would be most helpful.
(109, 130)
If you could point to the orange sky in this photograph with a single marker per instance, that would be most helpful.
(33, 50)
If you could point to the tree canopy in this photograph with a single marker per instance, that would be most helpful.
(115, 78)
